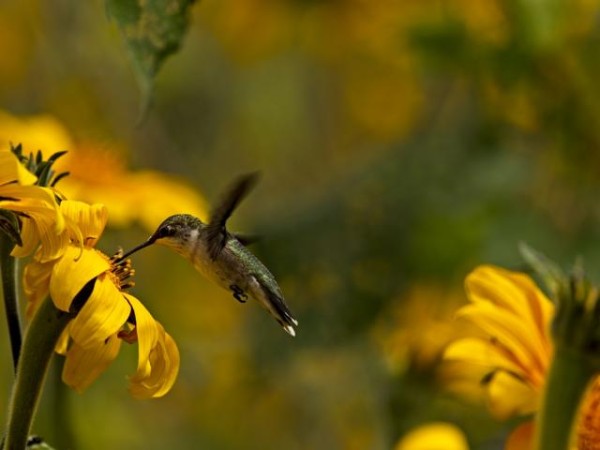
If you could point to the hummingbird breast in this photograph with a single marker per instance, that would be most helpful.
(237, 270)
(233, 266)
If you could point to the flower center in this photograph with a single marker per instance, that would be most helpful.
(588, 432)
(121, 271)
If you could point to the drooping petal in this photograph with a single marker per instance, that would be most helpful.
(91, 219)
(36, 284)
(147, 334)
(103, 315)
(83, 366)
(164, 363)
(434, 436)
(30, 238)
(512, 347)
(72, 272)
(40, 208)
(12, 170)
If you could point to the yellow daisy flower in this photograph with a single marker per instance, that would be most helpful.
(86, 281)
(35, 205)
(101, 175)
(514, 347)
(513, 352)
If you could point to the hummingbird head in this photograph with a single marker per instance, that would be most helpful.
(176, 232)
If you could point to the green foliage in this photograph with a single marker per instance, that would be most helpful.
(153, 30)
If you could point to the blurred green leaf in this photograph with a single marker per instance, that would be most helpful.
(153, 30)
(550, 273)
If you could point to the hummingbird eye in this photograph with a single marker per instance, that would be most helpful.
(167, 230)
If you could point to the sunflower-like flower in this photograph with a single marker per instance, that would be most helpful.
(513, 351)
(88, 282)
(514, 348)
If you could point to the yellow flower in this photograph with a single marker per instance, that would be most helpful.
(513, 351)
(100, 175)
(85, 280)
(35, 205)
(400, 335)
(146, 196)
(433, 436)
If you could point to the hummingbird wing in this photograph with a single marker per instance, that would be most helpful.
(246, 239)
(216, 232)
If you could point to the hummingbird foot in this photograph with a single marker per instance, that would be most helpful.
(238, 293)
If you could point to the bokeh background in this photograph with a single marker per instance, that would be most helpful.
(400, 143)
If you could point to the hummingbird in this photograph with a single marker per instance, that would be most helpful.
(221, 256)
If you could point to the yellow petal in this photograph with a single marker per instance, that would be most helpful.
(509, 333)
(30, 238)
(479, 352)
(515, 293)
(83, 366)
(434, 436)
(103, 315)
(41, 209)
(509, 396)
(63, 342)
(72, 272)
(12, 170)
(90, 219)
(36, 284)
(147, 334)
(164, 363)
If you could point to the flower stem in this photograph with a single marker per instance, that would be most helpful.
(43, 333)
(8, 269)
(570, 374)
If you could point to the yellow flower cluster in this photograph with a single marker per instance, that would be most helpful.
(508, 355)
(80, 279)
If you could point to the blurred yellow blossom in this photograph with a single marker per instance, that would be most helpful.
(433, 436)
(363, 42)
(512, 352)
(146, 196)
(399, 332)
(101, 175)
(513, 348)
(85, 276)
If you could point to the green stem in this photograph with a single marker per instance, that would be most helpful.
(46, 327)
(8, 269)
(569, 377)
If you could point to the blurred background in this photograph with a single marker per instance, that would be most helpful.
(401, 143)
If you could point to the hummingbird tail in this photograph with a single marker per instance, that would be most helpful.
(280, 311)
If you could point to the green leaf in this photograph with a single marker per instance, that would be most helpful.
(153, 30)
(550, 273)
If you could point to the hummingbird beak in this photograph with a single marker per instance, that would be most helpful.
(151, 240)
